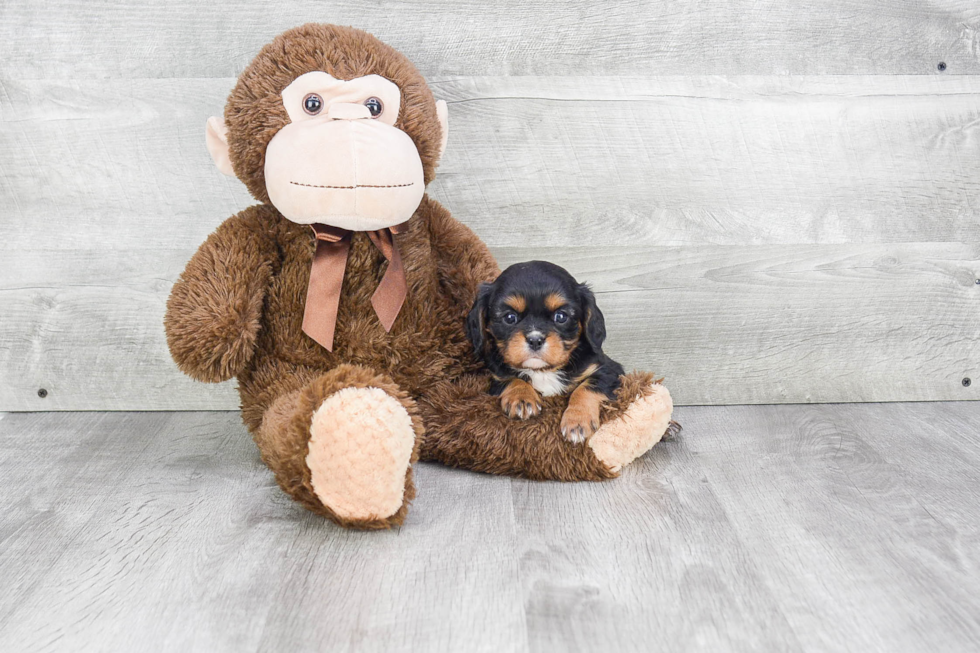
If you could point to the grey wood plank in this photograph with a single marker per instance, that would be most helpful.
(165, 532)
(695, 160)
(648, 562)
(768, 528)
(453, 37)
(446, 581)
(759, 324)
(185, 522)
(107, 179)
(907, 142)
(853, 558)
(788, 324)
(118, 164)
(113, 303)
(54, 470)
(937, 460)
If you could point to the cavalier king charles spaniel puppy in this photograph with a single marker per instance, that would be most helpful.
(540, 333)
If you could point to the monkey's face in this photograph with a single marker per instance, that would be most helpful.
(341, 161)
(331, 126)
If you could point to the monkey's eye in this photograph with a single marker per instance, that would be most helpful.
(312, 104)
(374, 106)
(510, 317)
(561, 317)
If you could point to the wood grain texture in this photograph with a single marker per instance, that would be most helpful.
(822, 496)
(112, 164)
(649, 562)
(724, 324)
(66, 39)
(757, 236)
(87, 327)
(693, 160)
(165, 532)
(761, 528)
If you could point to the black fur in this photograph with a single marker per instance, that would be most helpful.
(533, 281)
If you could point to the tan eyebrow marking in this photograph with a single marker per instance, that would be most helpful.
(516, 302)
(554, 301)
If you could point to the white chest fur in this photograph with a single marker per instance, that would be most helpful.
(548, 384)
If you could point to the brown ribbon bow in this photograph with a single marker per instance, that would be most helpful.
(327, 278)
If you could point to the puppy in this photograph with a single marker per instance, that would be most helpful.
(540, 333)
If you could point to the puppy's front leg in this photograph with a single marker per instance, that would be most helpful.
(581, 418)
(519, 400)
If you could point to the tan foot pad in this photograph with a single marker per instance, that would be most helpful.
(360, 450)
(632, 434)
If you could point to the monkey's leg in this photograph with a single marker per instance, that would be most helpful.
(343, 447)
(465, 427)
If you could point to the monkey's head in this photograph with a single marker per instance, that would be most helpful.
(332, 126)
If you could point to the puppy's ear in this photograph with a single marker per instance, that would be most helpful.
(476, 321)
(593, 323)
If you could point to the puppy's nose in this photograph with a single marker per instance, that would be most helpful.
(535, 341)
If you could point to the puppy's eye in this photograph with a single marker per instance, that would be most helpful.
(510, 317)
(374, 106)
(312, 104)
(561, 317)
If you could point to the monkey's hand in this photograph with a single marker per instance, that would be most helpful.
(215, 309)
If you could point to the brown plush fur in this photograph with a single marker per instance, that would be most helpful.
(284, 436)
(466, 428)
(237, 309)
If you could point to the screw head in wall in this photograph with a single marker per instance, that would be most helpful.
(966, 382)
(42, 393)
(941, 66)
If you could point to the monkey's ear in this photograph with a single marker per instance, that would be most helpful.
(442, 111)
(216, 137)
(593, 322)
(476, 321)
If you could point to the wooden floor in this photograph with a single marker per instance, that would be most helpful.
(782, 528)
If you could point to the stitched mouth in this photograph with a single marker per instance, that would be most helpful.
(296, 183)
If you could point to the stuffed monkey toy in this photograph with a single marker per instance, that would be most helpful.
(339, 301)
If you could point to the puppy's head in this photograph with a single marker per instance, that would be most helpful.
(535, 315)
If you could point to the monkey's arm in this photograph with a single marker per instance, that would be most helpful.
(215, 308)
(463, 260)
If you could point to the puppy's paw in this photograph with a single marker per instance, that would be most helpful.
(520, 401)
(578, 423)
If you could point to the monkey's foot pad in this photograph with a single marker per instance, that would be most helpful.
(619, 442)
(359, 453)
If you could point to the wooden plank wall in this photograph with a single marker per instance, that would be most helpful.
(777, 202)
